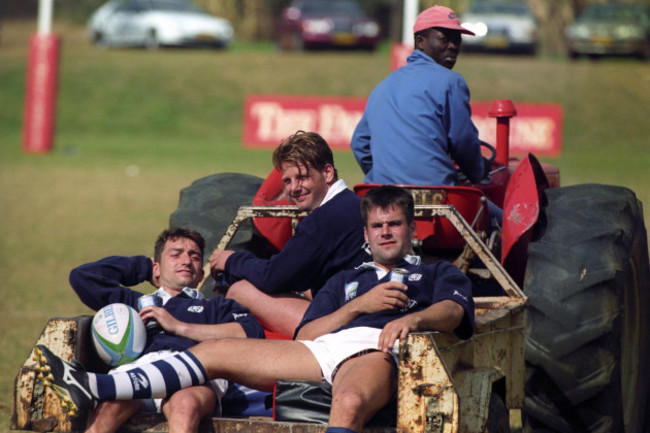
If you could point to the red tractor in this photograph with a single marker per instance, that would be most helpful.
(561, 298)
(579, 253)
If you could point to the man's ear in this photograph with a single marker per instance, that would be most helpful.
(365, 234)
(328, 172)
(418, 42)
(156, 270)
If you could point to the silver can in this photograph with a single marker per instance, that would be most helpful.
(399, 275)
(144, 301)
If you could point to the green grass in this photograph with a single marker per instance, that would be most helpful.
(176, 116)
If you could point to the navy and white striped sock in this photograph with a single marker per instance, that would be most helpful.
(154, 380)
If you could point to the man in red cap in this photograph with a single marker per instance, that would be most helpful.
(417, 121)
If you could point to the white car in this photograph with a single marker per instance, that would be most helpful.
(154, 23)
(500, 26)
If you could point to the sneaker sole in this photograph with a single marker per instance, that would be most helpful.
(44, 374)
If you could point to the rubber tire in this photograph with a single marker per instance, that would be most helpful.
(208, 206)
(588, 330)
(498, 415)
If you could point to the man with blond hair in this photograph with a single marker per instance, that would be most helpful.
(328, 240)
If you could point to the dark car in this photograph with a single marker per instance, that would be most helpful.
(326, 24)
(611, 29)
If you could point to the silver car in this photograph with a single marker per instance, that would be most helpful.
(500, 26)
(611, 29)
(154, 23)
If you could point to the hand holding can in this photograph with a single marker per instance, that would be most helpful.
(152, 326)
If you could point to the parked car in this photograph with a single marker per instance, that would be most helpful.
(610, 29)
(154, 23)
(500, 26)
(332, 23)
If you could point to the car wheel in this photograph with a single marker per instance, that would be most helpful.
(99, 40)
(645, 52)
(151, 42)
(588, 331)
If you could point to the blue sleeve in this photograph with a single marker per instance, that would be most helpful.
(360, 145)
(325, 302)
(103, 282)
(290, 269)
(451, 284)
(228, 311)
(464, 145)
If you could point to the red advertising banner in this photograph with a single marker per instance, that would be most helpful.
(268, 119)
(537, 128)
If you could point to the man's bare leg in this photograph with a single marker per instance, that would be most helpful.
(361, 387)
(257, 363)
(266, 307)
(110, 415)
(185, 408)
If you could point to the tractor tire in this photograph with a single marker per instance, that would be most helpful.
(208, 206)
(588, 331)
(498, 416)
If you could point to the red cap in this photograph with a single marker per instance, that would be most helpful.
(439, 16)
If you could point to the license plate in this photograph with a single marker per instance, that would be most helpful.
(602, 40)
(344, 39)
(497, 41)
(205, 37)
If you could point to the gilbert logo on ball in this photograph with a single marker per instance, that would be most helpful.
(118, 333)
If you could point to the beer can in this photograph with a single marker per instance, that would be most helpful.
(144, 301)
(399, 275)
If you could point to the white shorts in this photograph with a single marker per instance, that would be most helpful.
(331, 350)
(218, 386)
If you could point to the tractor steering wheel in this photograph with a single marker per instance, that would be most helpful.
(493, 154)
(487, 161)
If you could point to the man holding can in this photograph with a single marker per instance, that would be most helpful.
(177, 317)
(348, 337)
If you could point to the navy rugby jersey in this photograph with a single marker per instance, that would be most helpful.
(427, 285)
(101, 283)
(326, 241)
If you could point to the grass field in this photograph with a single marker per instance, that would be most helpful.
(134, 127)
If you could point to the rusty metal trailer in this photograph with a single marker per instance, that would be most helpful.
(444, 384)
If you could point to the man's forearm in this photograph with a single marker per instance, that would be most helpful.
(200, 332)
(326, 324)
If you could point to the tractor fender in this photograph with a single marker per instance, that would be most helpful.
(521, 209)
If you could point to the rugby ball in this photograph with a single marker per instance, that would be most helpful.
(119, 334)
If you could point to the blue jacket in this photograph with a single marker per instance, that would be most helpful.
(414, 120)
(101, 283)
(427, 285)
(326, 241)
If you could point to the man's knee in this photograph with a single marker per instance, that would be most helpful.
(240, 291)
(347, 401)
(198, 402)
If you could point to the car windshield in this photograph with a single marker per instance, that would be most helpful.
(627, 13)
(332, 7)
(173, 6)
(499, 8)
